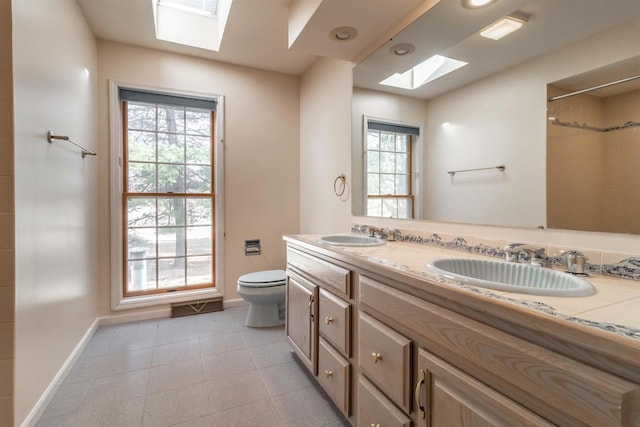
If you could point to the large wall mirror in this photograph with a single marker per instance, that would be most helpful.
(450, 125)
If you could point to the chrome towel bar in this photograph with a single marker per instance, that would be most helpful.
(51, 136)
(499, 167)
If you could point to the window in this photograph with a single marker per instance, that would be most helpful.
(168, 200)
(389, 170)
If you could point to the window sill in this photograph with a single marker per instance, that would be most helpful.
(168, 298)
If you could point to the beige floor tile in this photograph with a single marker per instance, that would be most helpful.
(175, 352)
(114, 384)
(271, 354)
(175, 406)
(262, 413)
(110, 413)
(308, 407)
(229, 363)
(221, 343)
(236, 390)
(122, 386)
(285, 378)
(175, 375)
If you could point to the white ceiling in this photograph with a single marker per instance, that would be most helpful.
(256, 34)
(451, 30)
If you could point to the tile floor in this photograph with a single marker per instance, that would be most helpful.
(203, 370)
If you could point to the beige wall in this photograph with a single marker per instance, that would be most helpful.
(261, 150)
(7, 240)
(55, 69)
(325, 150)
(323, 214)
(621, 189)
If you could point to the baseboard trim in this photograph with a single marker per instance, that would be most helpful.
(124, 317)
(45, 398)
(238, 302)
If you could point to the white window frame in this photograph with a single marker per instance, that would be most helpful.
(417, 162)
(118, 301)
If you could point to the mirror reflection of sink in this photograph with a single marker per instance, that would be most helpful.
(351, 240)
(512, 277)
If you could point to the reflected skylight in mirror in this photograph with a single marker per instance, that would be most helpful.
(423, 73)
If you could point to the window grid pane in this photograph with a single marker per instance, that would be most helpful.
(169, 237)
(388, 168)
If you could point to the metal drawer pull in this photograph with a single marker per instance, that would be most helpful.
(328, 373)
(376, 357)
(311, 307)
(328, 320)
(421, 379)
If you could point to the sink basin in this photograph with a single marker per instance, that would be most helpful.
(512, 277)
(351, 240)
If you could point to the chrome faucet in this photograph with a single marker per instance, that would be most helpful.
(537, 254)
(375, 232)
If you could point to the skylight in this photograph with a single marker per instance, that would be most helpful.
(196, 23)
(423, 73)
(206, 7)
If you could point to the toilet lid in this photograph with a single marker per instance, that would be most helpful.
(263, 279)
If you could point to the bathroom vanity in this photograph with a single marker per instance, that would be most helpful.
(394, 345)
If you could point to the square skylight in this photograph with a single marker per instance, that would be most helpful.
(196, 23)
(423, 73)
(207, 7)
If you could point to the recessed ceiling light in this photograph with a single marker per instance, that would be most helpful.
(402, 49)
(342, 34)
(501, 28)
(476, 4)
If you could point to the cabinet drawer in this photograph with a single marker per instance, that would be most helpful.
(384, 356)
(332, 277)
(335, 321)
(374, 409)
(334, 374)
(557, 388)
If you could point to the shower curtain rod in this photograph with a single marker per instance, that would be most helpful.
(602, 86)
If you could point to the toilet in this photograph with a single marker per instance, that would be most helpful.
(265, 293)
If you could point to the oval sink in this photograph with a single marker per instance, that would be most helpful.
(351, 240)
(512, 277)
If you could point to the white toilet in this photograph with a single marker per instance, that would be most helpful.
(265, 293)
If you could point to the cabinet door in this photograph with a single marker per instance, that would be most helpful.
(447, 397)
(301, 327)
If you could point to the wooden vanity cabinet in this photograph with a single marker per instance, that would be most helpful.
(470, 368)
(390, 358)
(319, 322)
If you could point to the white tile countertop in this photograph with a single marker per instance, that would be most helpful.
(615, 307)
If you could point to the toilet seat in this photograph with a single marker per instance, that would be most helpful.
(263, 279)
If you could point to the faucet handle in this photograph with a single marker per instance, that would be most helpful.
(511, 253)
(576, 263)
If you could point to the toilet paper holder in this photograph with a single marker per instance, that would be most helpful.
(252, 247)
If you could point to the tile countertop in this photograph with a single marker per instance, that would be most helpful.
(615, 307)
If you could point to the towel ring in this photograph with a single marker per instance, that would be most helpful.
(343, 185)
